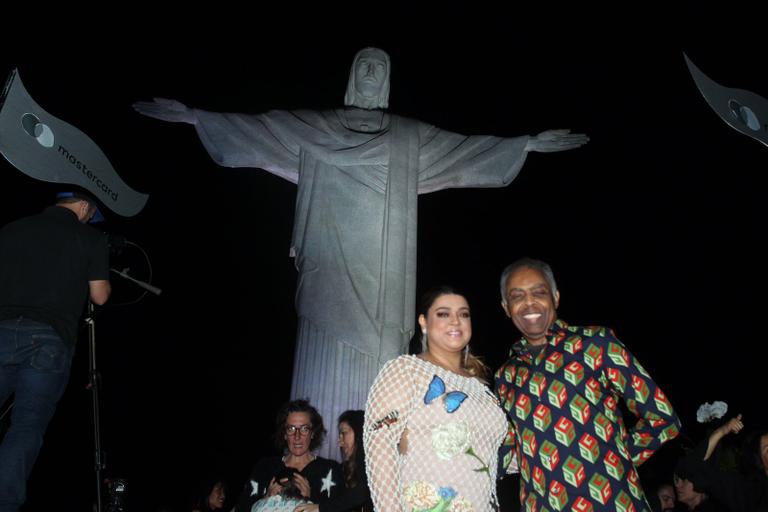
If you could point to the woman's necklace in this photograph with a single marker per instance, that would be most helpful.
(431, 359)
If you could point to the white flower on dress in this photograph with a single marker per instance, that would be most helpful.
(450, 439)
(460, 505)
(421, 495)
(708, 412)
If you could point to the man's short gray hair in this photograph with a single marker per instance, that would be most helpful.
(539, 265)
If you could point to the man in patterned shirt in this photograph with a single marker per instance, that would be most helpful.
(560, 389)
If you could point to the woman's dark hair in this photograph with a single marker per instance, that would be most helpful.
(318, 430)
(204, 489)
(354, 467)
(472, 364)
(751, 461)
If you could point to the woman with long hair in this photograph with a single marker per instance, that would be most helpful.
(432, 426)
(355, 495)
(211, 497)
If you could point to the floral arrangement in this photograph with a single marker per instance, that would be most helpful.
(708, 412)
(425, 497)
(451, 439)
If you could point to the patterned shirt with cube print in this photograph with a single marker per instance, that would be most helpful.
(572, 448)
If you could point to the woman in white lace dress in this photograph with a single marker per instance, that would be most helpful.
(432, 426)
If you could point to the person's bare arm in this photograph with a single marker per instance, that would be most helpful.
(733, 426)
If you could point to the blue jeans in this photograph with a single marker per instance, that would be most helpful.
(34, 364)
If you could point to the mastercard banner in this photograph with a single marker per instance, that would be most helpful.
(48, 149)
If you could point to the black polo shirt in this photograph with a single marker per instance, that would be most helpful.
(46, 261)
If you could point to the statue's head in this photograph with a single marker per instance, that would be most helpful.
(368, 85)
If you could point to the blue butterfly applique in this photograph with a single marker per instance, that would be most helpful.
(453, 399)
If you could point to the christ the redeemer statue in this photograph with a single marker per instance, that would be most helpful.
(359, 170)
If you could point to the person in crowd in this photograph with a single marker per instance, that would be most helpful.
(661, 495)
(692, 497)
(739, 492)
(665, 495)
(298, 431)
(432, 427)
(211, 496)
(355, 496)
(561, 389)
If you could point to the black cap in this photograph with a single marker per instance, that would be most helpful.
(97, 216)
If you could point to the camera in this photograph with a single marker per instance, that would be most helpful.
(115, 495)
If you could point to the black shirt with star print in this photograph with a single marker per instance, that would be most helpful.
(325, 480)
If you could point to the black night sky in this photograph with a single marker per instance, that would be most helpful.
(655, 228)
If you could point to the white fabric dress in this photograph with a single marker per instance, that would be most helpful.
(451, 426)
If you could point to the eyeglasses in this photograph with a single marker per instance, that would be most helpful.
(303, 430)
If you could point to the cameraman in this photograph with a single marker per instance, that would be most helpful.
(50, 264)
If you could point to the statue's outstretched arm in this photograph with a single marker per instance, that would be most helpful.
(166, 110)
(556, 140)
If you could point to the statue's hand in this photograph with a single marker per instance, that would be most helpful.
(556, 140)
(166, 110)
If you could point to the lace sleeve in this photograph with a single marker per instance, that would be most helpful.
(386, 413)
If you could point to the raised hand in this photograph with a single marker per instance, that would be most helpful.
(734, 426)
(556, 140)
(166, 110)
